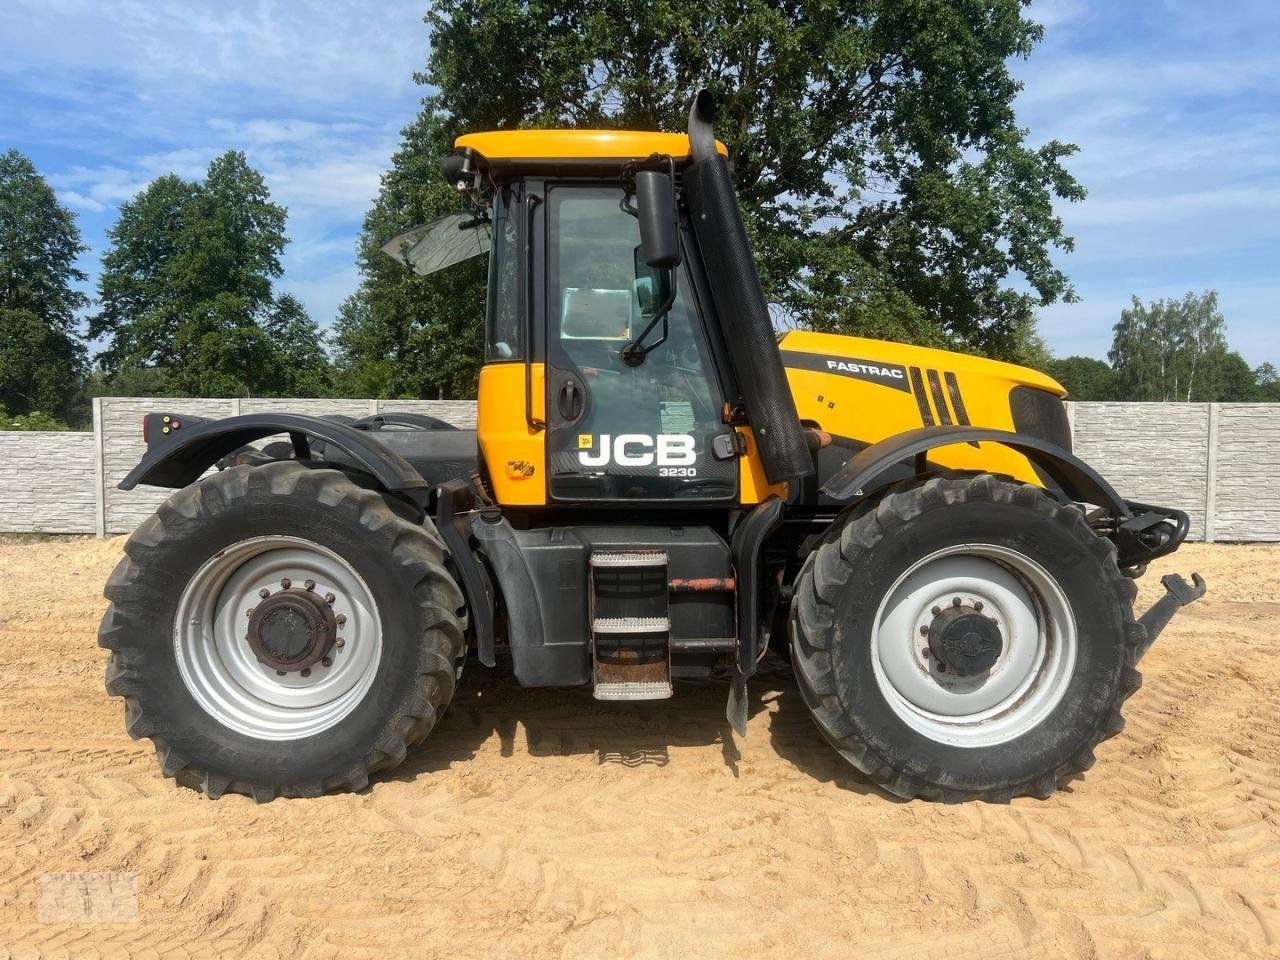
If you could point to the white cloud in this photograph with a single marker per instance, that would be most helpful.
(78, 201)
(1166, 208)
(335, 51)
(1057, 13)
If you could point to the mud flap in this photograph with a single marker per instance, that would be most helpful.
(736, 711)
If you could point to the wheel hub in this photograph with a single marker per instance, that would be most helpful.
(292, 629)
(965, 642)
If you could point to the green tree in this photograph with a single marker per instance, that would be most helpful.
(1169, 349)
(1086, 378)
(885, 182)
(42, 358)
(1268, 381)
(35, 420)
(1236, 382)
(186, 292)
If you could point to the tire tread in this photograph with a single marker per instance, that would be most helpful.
(825, 574)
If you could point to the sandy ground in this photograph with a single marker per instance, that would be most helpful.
(541, 824)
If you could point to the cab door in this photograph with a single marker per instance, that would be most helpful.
(647, 433)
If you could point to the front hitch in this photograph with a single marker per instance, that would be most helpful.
(1179, 594)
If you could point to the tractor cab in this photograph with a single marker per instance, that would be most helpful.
(607, 372)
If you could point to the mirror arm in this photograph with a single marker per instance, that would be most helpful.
(633, 353)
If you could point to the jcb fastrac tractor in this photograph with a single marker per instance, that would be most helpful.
(660, 487)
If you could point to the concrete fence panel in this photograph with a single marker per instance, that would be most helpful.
(1219, 462)
(1247, 472)
(1152, 452)
(48, 482)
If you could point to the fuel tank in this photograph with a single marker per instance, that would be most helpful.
(860, 391)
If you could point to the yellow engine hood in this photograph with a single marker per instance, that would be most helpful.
(861, 391)
(925, 358)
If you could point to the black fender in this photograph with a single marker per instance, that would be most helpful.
(455, 508)
(1075, 478)
(180, 448)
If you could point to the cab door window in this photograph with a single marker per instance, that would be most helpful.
(618, 431)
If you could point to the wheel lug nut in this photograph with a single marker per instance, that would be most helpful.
(924, 652)
(977, 604)
(326, 662)
(924, 629)
(309, 584)
(339, 643)
(248, 613)
(329, 598)
(264, 593)
(279, 673)
(956, 601)
(286, 583)
(341, 619)
(306, 671)
(936, 610)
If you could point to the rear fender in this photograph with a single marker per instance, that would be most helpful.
(181, 448)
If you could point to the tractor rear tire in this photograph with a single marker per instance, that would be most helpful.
(1040, 646)
(221, 718)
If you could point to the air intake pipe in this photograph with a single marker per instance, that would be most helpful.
(741, 309)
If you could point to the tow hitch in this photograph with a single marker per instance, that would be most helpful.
(1179, 594)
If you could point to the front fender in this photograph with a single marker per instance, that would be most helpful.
(178, 457)
(1076, 478)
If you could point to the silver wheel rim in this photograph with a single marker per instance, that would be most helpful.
(1028, 679)
(219, 667)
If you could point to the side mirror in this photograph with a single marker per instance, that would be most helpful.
(656, 212)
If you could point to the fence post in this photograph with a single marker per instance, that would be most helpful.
(1211, 475)
(99, 472)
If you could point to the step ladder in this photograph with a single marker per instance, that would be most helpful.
(630, 625)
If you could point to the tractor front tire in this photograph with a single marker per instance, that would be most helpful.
(357, 625)
(965, 637)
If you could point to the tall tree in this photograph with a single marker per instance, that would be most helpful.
(42, 357)
(1170, 349)
(884, 179)
(186, 291)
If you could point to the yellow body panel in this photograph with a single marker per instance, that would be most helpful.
(847, 386)
(850, 387)
(576, 144)
(753, 485)
(514, 454)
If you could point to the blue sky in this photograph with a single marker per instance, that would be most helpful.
(1174, 106)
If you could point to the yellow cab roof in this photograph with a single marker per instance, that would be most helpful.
(604, 145)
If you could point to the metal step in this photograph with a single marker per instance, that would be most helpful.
(633, 690)
(630, 558)
(631, 625)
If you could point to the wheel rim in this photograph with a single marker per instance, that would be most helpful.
(220, 668)
(1031, 673)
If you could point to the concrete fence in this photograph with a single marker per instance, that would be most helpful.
(1218, 461)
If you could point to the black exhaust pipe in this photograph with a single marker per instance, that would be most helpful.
(741, 309)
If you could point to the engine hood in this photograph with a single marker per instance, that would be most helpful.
(899, 358)
(859, 391)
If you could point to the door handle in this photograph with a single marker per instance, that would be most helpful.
(570, 401)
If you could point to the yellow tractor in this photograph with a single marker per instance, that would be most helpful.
(660, 487)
